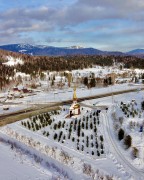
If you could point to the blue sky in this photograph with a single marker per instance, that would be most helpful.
(102, 24)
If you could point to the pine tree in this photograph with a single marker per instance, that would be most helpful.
(121, 134)
(55, 136)
(85, 81)
(128, 141)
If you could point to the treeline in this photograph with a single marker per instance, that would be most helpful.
(4, 54)
(60, 63)
(44, 63)
(34, 65)
(6, 75)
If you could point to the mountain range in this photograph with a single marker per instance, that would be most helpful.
(42, 50)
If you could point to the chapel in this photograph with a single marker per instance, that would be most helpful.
(75, 107)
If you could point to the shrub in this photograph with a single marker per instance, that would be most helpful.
(50, 121)
(91, 125)
(74, 127)
(59, 124)
(101, 146)
(142, 105)
(128, 141)
(95, 129)
(82, 134)
(92, 145)
(78, 131)
(55, 126)
(25, 124)
(98, 154)
(121, 134)
(87, 144)
(86, 125)
(101, 138)
(102, 152)
(91, 136)
(82, 125)
(97, 145)
(37, 127)
(55, 136)
(44, 132)
(82, 148)
(135, 152)
(73, 139)
(121, 119)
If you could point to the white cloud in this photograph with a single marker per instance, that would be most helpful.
(119, 18)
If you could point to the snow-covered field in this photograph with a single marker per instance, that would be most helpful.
(16, 165)
(13, 108)
(130, 120)
(82, 133)
(83, 164)
(44, 97)
(129, 116)
(68, 163)
(82, 147)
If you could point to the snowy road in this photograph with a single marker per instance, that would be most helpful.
(132, 170)
(129, 171)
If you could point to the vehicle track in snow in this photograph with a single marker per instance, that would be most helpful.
(137, 173)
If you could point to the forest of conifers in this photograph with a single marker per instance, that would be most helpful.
(37, 64)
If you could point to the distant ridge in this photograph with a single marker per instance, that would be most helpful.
(136, 52)
(42, 50)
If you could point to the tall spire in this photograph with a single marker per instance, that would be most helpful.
(74, 95)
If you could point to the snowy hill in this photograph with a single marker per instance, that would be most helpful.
(55, 51)
(136, 52)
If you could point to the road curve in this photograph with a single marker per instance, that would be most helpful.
(137, 173)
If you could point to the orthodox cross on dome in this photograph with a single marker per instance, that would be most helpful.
(74, 95)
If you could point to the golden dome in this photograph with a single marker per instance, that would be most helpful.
(76, 106)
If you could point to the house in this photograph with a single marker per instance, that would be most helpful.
(75, 107)
(15, 89)
(25, 90)
(112, 76)
(5, 107)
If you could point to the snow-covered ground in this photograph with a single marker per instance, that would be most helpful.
(111, 163)
(13, 108)
(15, 165)
(44, 97)
(131, 124)
(33, 154)
(13, 61)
